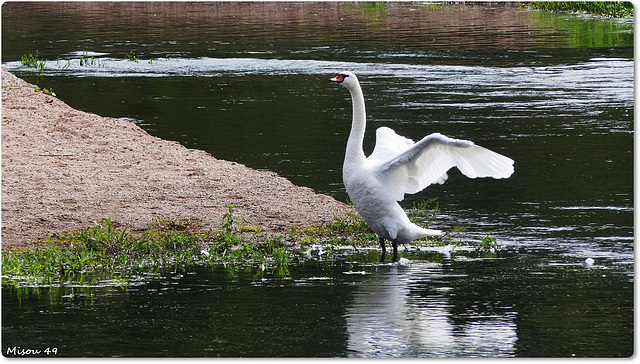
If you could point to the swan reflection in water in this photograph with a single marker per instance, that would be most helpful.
(391, 316)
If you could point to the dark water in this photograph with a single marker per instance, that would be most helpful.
(433, 307)
(249, 82)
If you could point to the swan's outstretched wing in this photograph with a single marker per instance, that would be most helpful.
(427, 162)
(389, 144)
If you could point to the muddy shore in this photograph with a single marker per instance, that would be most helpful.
(64, 169)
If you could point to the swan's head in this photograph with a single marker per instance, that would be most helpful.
(346, 79)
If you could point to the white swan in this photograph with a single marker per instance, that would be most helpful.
(398, 166)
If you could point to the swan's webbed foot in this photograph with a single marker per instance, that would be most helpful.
(384, 250)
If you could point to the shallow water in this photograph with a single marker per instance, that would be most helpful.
(249, 83)
(433, 306)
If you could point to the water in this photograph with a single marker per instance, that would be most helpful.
(432, 307)
(249, 83)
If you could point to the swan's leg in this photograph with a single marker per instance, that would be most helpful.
(395, 251)
(384, 250)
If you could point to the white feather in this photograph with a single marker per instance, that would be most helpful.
(427, 162)
(399, 166)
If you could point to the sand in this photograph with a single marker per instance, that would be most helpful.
(64, 170)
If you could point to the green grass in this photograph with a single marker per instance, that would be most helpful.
(33, 61)
(44, 90)
(616, 9)
(106, 252)
(103, 251)
(86, 60)
(131, 56)
(348, 229)
(423, 212)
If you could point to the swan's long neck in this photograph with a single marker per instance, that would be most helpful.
(354, 152)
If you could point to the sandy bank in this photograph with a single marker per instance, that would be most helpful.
(64, 169)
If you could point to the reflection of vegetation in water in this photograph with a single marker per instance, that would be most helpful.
(585, 33)
(373, 9)
(53, 294)
(616, 9)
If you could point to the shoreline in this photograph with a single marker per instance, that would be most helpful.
(65, 170)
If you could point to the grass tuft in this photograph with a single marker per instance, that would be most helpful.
(131, 56)
(33, 61)
(423, 212)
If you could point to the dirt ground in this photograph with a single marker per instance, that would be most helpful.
(64, 169)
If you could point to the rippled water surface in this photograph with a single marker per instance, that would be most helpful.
(248, 82)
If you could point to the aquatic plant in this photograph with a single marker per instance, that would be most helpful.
(105, 251)
(86, 60)
(346, 229)
(349, 223)
(423, 212)
(102, 251)
(488, 245)
(33, 61)
(131, 56)
(454, 237)
(616, 9)
(280, 258)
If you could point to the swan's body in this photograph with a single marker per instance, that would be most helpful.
(398, 166)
